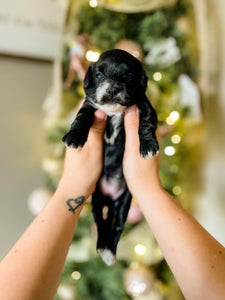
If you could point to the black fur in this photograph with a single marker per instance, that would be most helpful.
(117, 78)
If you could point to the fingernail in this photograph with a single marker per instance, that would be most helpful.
(132, 110)
(100, 115)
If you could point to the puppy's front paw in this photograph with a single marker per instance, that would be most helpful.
(149, 149)
(74, 139)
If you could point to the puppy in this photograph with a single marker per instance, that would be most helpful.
(113, 84)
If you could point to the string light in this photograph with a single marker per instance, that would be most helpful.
(157, 76)
(173, 117)
(92, 56)
(176, 139)
(169, 121)
(169, 150)
(140, 249)
(93, 3)
(177, 190)
(76, 275)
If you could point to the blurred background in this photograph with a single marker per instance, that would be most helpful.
(45, 49)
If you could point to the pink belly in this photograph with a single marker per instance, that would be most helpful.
(112, 187)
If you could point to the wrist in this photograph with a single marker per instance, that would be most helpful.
(148, 191)
(69, 202)
(72, 189)
(66, 190)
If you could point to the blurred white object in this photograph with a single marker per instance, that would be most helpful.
(163, 53)
(38, 199)
(210, 206)
(28, 29)
(66, 291)
(190, 96)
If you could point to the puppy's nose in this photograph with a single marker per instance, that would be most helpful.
(113, 90)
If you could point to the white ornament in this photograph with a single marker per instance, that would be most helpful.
(190, 96)
(77, 49)
(153, 295)
(38, 199)
(138, 281)
(80, 251)
(66, 292)
(163, 53)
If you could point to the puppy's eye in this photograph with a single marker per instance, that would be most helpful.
(131, 77)
(98, 75)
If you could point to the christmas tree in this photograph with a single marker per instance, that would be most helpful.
(162, 37)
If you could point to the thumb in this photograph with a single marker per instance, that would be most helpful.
(98, 127)
(131, 124)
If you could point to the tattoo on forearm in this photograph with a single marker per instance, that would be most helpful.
(73, 204)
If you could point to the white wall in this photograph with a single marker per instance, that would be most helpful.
(23, 87)
(211, 203)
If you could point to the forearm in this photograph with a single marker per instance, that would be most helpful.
(195, 257)
(33, 267)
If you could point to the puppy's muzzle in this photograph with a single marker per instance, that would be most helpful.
(113, 91)
(112, 94)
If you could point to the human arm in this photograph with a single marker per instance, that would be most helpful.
(196, 259)
(32, 269)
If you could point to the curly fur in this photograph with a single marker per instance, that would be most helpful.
(113, 84)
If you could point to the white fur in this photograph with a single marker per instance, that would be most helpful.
(116, 121)
(148, 155)
(101, 90)
(107, 256)
(112, 109)
(109, 109)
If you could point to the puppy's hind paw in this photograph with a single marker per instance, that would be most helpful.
(107, 256)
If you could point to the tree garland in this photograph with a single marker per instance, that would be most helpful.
(165, 37)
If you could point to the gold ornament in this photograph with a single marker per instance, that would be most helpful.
(139, 245)
(134, 6)
(184, 25)
(131, 47)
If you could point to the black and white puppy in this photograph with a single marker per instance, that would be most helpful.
(113, 84)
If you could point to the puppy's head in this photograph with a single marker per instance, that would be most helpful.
(115, 82)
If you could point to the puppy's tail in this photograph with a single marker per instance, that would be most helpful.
(107, 256)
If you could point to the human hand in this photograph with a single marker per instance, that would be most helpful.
(141, 174)
(83, 166)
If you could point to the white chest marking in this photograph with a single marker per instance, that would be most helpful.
(101, 90)
(116, 121)
(109, 108)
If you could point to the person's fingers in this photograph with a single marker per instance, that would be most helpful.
(131, 124)
(98, 127)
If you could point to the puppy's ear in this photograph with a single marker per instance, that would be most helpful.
(144, 80)
(88, 77)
